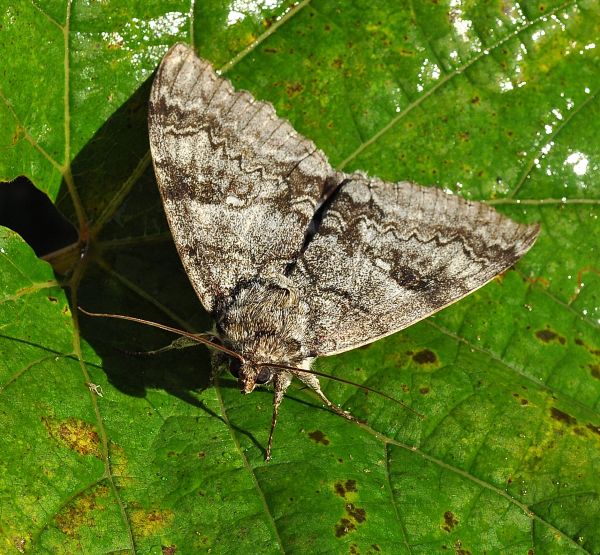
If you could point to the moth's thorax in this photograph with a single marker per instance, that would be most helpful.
(264, 320)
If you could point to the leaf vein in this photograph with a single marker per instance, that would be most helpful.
(446, 79)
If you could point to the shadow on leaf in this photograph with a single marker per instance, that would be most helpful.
(132, 266)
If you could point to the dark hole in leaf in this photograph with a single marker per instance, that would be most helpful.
(31, 214)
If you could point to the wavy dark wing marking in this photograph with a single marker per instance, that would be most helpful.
(239, 184)
(387, 255)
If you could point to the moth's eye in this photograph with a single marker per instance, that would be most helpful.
(263, 376)
(234, 367)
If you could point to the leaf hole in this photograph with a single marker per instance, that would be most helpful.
(30, 213)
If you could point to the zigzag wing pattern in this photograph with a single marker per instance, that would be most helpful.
(239, 184)
(388, 255)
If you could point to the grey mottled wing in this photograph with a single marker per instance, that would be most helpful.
(239, 184)
(388, 255)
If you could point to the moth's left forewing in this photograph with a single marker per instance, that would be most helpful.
(239, 184)
(388, 255)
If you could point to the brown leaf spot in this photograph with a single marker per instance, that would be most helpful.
(292, 89)
(424, 390)
(595, 368)
(425, 356)
(52, 299)
(450, 521)
(522, 400)
(340, 489)
(354, 549)
(80, 511)
(148, 523)
(562, 416)
(547, 335)
(319, 437)
(579, 342)
(343, 527)
(19, 544)
(16, 136)
(475, 100)
(169, 549)
(375, 547)
(358, 514)
(594, 429)
(349, 486)
(460, 550)
(77, 435)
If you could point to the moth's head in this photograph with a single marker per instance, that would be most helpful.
(249, 375)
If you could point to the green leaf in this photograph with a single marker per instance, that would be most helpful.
(104, 452)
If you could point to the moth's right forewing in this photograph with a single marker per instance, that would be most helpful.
(388, 255)
(239, 185)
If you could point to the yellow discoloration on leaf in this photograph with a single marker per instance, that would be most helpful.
(146, 523)
(80, 512)
(118, 463)
(77, 435)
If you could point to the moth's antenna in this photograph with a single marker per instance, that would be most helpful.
(177, 331)
(349, 382)
(214, 345)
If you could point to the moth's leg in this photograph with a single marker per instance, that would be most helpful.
(180, 343)
(312, 381)
(281, 381)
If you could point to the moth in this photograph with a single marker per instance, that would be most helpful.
(293, 259)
